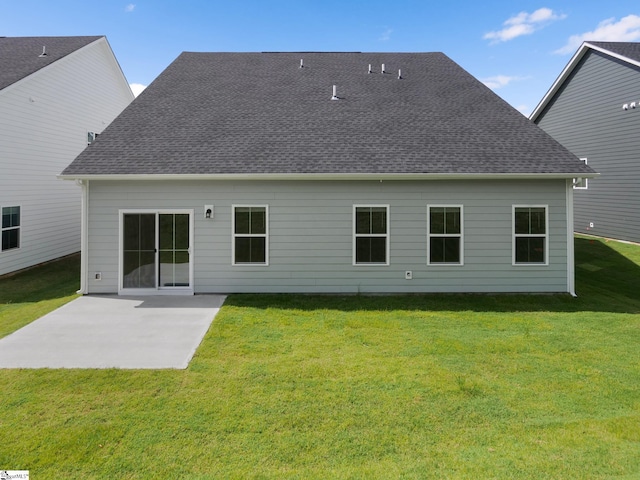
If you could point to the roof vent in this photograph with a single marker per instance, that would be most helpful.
(383, 71)
(44, 52)
(335, 93)
(370, 68)
(301, 63)
(399, 74)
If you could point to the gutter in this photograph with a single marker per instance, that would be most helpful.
(332, 176)
(84, 241)
(571, 259)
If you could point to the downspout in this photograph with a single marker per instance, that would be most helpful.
(571, 261)
(84, 254)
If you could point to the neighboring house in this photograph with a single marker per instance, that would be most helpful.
(593, 109)
(324, 172)
(56, 95)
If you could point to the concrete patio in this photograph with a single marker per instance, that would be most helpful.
(109, 331)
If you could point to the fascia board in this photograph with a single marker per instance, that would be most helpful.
(116, 64)
(569, 68)
(614, 55)
(559, 81)
(333, 177)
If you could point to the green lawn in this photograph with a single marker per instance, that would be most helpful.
(28, 295)
(440, 386)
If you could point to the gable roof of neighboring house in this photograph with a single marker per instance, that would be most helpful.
(22, 56)
(628, 52)
(260, 115)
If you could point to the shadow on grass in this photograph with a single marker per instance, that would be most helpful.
(55, 279)
(606, 281)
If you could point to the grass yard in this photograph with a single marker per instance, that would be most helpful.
(285, 386)
(28, 295)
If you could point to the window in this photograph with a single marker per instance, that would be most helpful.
(10, 228)
(91, 137)
(371, 235)
(444, 243)
(530, 235)
(581, 183)
(250, 235)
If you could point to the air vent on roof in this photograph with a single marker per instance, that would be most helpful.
(399, 74)
(335, 93)
(370, 68)
(44, 52)
(383, 71)
(301, 63)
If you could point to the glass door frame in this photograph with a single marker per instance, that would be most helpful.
(158, 289)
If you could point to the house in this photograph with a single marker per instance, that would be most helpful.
(56, 95)
(593, 109)
(324, 172)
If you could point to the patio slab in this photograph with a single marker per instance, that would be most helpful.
(110, 331)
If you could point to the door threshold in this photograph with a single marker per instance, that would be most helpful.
(186, 291)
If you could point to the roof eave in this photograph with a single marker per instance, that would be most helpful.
(586, 46)
(331, 176)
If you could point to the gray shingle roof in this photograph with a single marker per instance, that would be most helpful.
(20, 56)
(260, 113)
(630, 50)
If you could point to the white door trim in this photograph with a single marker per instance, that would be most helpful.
(158, 290)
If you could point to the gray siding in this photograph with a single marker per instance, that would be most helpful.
(586, 116)
(311, 228)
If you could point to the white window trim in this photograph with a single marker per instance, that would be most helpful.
(460, 235)
(265, 235)
(581, 183)
(539, 235)
(91, 137)
(19, 227)
(158, 290)
(380, 235)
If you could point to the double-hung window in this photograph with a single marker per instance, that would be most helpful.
(10, 228)
(371, 235)
(530, 235)
(444, 232)
(250, 235)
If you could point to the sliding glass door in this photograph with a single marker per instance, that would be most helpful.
(139, 251)
(174, 249)
(156, 251)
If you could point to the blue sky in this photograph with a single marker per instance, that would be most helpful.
(516, 48)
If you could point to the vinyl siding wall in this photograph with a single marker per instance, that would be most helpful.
(311, 235)
(44, 120)
(586, 116)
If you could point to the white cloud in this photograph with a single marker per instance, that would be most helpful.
(523, 24)
(386, 35)
(625, 30)
(130, 8)
(499, 81)
(137, 88)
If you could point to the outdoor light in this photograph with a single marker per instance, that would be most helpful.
(208, 211)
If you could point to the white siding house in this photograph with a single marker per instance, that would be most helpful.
(51, 104)
(253, 173)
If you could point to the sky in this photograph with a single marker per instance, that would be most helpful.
(517, 49)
